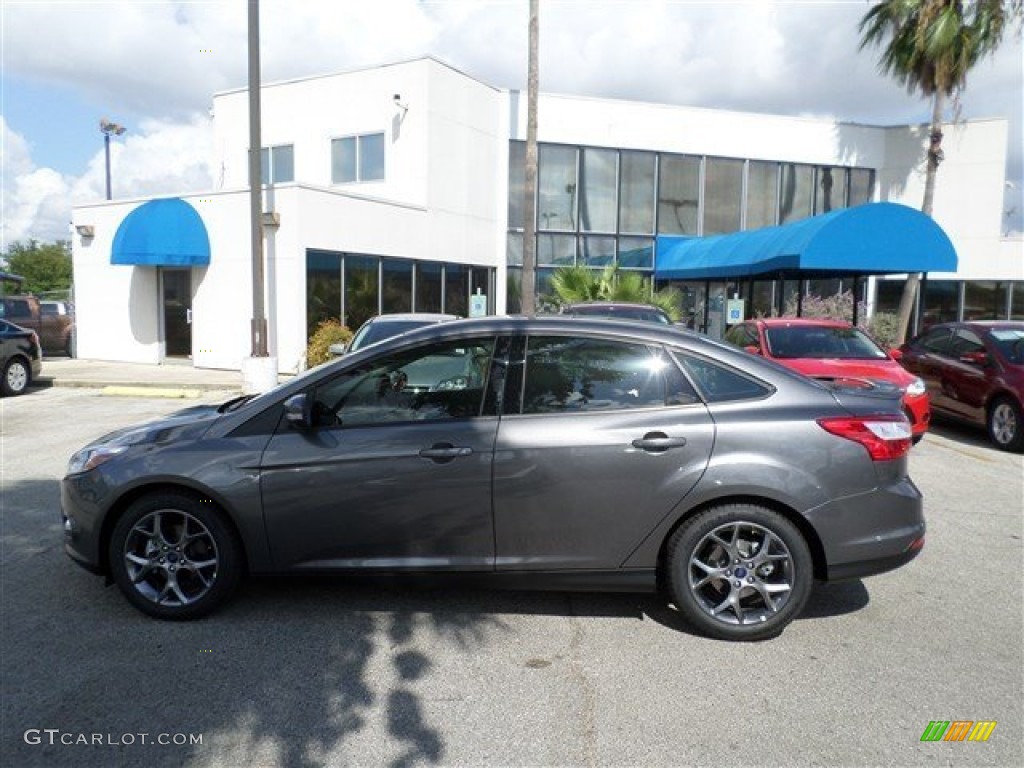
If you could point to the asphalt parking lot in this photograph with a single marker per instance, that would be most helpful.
(320, 671)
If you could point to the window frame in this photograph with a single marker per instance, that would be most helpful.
(357, 140)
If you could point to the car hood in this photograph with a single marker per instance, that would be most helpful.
(836, 368)
(188, 423)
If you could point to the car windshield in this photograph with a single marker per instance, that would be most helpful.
(1010, 342)
(814, 341)
(373, 332)
(649, 314)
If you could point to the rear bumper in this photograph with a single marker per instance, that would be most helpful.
(918, 411)
(872, 532)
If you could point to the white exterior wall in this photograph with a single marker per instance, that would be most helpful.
(445, 194)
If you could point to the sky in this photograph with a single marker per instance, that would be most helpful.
(154, 65)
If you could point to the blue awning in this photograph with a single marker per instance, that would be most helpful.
(162, 233)
(872, 239)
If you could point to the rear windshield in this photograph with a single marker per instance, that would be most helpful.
(374, 332)
(651, 315)
(810, 341)
(1010, 342)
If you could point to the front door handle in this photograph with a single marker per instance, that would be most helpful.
(658, 442)
(445, 452)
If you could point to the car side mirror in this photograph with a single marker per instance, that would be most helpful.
(896, 354)
(298, 411)
(753, 349)
(337, 350)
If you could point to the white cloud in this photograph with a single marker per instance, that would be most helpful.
(165, 60)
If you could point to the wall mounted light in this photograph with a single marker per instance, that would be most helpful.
(271, 219)
(85, 230)
(397, 98)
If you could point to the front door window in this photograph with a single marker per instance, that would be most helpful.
(176, 289)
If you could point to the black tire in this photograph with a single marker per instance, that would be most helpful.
(748, 554)
(1006, 424)
(16, 377)
(174, 556)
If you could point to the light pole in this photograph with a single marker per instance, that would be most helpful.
(107, 128)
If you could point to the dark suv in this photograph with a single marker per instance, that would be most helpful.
(974, 371)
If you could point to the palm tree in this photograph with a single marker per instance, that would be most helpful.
(573, 285)
(929, 46)
(529, 282)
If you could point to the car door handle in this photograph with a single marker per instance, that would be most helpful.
(657, 442)
(444, 452)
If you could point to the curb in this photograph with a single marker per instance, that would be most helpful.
(121, 390)
(138, 388)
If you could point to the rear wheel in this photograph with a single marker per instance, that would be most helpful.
(1006, 425)
(16, 378)
(174, 556)
(739, 572)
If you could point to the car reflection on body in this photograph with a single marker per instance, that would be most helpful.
(382, 327)
(834, 350)
(544, 452)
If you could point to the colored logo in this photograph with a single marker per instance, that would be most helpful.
(958, 730)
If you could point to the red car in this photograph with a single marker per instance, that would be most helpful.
(832, 349)
(974, 371)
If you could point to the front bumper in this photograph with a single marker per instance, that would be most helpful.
(82, 516)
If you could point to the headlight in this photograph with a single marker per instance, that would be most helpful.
(916, 388)
(89, 458)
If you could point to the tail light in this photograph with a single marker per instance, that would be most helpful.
(884, 437)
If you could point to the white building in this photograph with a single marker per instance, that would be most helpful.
(398, 188)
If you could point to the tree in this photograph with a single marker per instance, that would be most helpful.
(529, 282)
(45, 267)
(929, 46)
(578, 284)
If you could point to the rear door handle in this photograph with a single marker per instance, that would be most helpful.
(657, 442)
(445, 452)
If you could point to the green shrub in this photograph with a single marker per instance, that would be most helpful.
(327, 332)
(884, 328)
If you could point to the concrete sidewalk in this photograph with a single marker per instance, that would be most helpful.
(168, 380)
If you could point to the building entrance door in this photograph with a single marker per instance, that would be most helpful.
(176, 293)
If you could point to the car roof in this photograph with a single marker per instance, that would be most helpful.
(813, 322)
(407, 316)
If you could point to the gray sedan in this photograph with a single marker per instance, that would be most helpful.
(539, 453)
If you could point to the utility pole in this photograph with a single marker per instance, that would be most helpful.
(529, 282)
(108, 128)
(259, 320)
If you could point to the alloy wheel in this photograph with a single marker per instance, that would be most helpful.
(171, 558)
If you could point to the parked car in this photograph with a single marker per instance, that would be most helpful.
(834, 350)
(381, 327)
(974, 371)
(21, 358)
(544, 452)
(618, 310)
(53, 321)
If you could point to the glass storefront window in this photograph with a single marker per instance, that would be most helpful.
(796, 194)
(456, 290)
(396, 291)
(514, 290)
(556, 250)
(557, 188)
(1017, 307)
(862, 186)
(597, 190)
(829, 189)
(481, 282)
(678, 195)
(597, 251)
(516, 184)
(762, 194)
(941, 298)
(762, 300)
(636, 253)
(723, 192)
(361, 289)
(514, 249)
(323, 288)
(985, 300)
(636, 194)
(887, 295)
(428, 287)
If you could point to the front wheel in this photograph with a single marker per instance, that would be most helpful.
(174, 556)
(16, 378)
(1006, 425)
(739, 572)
